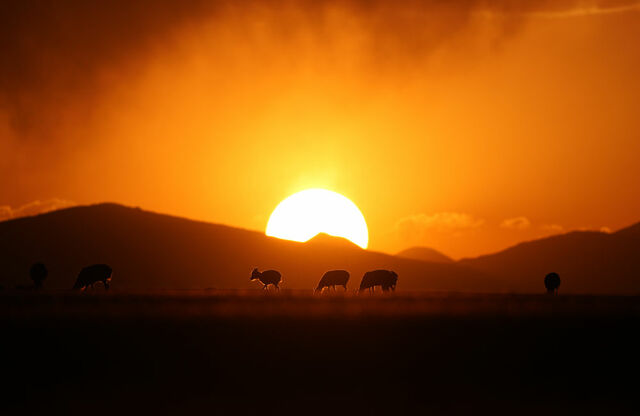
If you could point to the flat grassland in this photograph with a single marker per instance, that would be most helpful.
(255, 352)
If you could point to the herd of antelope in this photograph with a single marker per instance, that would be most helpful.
(386, 279)
(101, 273)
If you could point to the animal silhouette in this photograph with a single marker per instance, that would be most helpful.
(38, 273)
(92, 274)
(267, 277)
(552, 283)
(333, 278)
(386, 279)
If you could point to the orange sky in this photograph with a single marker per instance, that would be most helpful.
(466, 127)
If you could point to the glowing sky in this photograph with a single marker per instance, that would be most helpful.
(466, 126)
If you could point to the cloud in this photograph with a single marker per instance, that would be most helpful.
(517, 223)
(556, 228)
(416, 226)
(603, 229)
(33, 208)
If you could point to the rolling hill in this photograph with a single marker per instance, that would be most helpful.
(154, 251)
(587, 261)
(424, 254)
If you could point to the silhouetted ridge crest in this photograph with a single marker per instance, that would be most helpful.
(424, 254)
(151, 251)
(588, 261)
(331, 240)
(633, 230)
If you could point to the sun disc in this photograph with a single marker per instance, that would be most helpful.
(304, 214)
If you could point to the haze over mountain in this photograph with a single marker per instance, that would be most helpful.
(425, 254)
(155, 251)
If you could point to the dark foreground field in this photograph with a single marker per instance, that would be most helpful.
(291, 353)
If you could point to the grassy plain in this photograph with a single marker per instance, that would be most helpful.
(246, 352)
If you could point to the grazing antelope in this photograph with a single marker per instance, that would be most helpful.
(92, 274)
(38, 273)
(386, 279)
(267, 277)
(552, 283)
(333, 278)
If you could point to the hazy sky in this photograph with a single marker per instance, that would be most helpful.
(466, 126)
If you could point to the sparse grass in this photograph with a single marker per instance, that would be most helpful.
(288, 303)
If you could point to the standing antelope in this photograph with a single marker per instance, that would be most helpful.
(267, 277)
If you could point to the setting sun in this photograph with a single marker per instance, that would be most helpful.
(306, 213)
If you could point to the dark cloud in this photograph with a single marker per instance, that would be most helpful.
(55, 52)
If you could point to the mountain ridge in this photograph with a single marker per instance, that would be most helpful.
(424, 254)
(588, 261)
(157, 251)
(150, 250)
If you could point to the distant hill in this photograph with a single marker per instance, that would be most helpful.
(154, 251)
(424, 254)
(587, 261)
(323, 239)
(633, 230)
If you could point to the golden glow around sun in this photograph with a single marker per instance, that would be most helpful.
(304, 214)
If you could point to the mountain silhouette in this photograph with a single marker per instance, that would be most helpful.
(149, 251)
(631, 231)
(323, 239)
(424, 254)
(587, 262)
